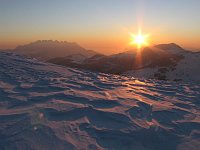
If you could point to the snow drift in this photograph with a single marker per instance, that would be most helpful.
(49, 107)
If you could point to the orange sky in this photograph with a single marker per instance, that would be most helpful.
(109, 44)
(104, 26)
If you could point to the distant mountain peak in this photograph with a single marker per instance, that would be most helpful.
(48, 49)
(171, 47)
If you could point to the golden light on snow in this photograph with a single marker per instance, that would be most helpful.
(139, 39)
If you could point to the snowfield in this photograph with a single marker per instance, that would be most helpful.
(49, 107)
(187, 70)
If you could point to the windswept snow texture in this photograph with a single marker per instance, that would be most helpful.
(48, 107)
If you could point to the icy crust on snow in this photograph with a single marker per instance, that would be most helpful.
(48, 107)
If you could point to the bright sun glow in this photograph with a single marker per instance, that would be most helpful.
(139, 39)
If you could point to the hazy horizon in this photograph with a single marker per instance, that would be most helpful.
(104, 26)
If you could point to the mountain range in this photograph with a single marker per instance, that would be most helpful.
(163, 61)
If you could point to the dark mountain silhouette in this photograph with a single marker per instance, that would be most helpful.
(171, 48)
(48, 49)
(122, 62)
(163, 62)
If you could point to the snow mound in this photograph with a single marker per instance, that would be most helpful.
(48, 107)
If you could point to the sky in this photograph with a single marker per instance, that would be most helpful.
(102, 25)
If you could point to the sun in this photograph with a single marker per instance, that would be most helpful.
(139, 39)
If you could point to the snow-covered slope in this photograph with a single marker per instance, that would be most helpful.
(48, 107)
(187, 70)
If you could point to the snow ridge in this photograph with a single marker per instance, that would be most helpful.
(44, 106)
